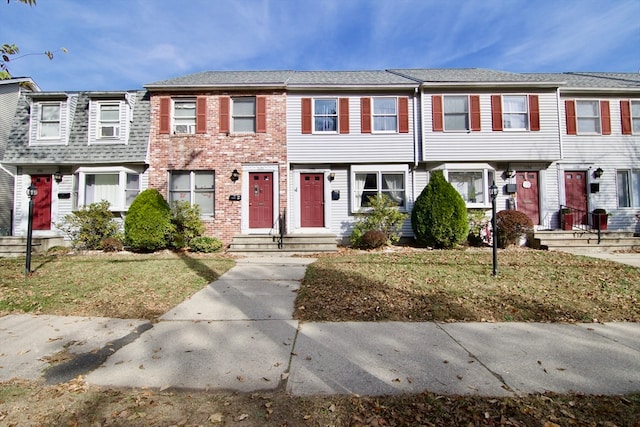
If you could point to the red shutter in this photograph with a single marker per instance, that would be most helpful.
(165, 114)
(496, 112)
(224, 114)
(306, 115)
(625, 115)
(344, 115)
(570, 114)
(201, 114)
(605, 117)
(365, 115)
(261, 114)
(436, 113)
(403, 114)
(534, 113)
(475, 112)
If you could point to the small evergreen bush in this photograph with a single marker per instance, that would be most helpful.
(382, 216)
(147, 226)
(90, 225)
(373, 239)
(512, 225)
(112, 244)
(186, 223)
(205, 244)
(439, 216)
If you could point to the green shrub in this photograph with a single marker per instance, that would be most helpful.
(383, 216)
(478, 222)
(512, 225)
(147, 226)
(205, 244)
(112, 244)
(90, 225)
(373, 239)
(439, 216)
(186, 223)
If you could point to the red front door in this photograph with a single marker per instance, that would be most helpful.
(42, 202)
(260, 200)
(312, 200)
(528, 194)
(575, 190)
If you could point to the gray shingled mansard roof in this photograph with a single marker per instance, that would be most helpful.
(77, 150)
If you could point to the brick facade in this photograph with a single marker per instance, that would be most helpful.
(220, 152)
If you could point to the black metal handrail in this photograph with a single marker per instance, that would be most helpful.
(279, 229)
(583, 224)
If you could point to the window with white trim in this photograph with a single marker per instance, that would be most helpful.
(325, 115)
(456, 113)
(385, 114)
(243, 115)
(371, 180)
(635, 117)
(628, 183)
(588, 116)
(109, 120)
(471, 181)
(194, 187)
(515, 112)
(184, 116)
(49, 120)
(118, 187)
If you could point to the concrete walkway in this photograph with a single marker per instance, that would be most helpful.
(238, 334)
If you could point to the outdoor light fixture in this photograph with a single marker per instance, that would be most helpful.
(32, 192)
(235, 175)
(493, 192)
(58, 177)
(598, 173)
(332, 176)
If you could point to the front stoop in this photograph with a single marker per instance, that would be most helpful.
(15, 246)
(581, 241)
(292, 244)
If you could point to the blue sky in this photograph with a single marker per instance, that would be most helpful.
(124, 44)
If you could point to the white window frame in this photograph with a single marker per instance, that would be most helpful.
(596, 119)
(236, 115)
(379, 170)
(184, 125)
(631, 188)
(315, 115)
(466, 113)
(524, 113)
(120, 204)
(488, 175)
(115, 124)
(41, 106)
(375, 115)
(635, 119)
(193, 190)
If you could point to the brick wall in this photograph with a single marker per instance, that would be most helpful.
(222, 153)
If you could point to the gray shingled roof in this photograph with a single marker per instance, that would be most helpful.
(464, 75)
(347, 78)
(78, 151)
(225, 79)
(593, 80)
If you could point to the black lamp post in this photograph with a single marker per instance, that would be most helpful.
(32, 192)
(493, 191)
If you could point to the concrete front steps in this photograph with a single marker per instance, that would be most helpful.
(13, 246)
(292, 244)
(585, 240)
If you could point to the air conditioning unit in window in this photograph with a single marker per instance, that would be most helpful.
(184, 129)
(109, 131)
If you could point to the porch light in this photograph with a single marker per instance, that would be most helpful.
(598, 173)
(493, 192)
(58, 177)
(331, 176)
(32, 192)
(235, 175)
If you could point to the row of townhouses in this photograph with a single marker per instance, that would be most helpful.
(249, 146)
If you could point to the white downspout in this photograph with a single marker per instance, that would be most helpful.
(417, 126)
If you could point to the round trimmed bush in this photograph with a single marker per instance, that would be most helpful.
(205, 244)
(439, 215)
(512, 225)
(147, 226)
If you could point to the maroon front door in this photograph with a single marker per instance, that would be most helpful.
(528, 194)
(575, 190)
(42, 202)
(260, 200)
(312, 200)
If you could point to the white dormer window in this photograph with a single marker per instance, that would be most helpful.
(184, 116)
(109, 121)
(49, 121)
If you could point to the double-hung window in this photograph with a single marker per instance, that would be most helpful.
(456, 113)
(385, 114)
(588, 116)
(515, 112)
(628, 182)
(109, 120)
(244, 114)
(471, 181)
(195, 187)
(49, 121)
(635, 117)
(325, 115)
(373, 180)
(184, 116)
(117, 186)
